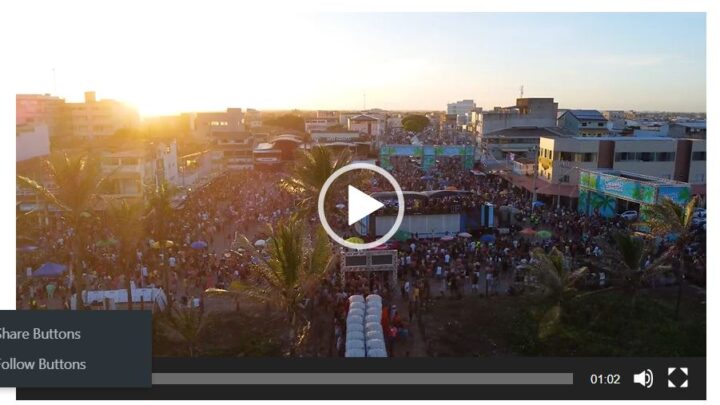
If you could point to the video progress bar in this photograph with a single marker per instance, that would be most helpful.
(362, 378)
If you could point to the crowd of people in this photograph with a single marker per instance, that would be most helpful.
(243, 202)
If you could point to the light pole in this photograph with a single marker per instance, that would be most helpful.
(534, 183)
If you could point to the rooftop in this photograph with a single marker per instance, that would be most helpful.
(586, 115)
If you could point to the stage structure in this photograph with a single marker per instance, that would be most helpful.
(370, 261)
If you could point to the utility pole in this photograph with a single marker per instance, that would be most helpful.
(535, 173)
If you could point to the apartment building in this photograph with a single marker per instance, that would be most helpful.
(584, 122)
(95, 118)
(560, 158)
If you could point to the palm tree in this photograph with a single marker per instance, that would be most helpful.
(311, 172)
(668, 218)
(160, 212)
(125, 221)
(557, 282)
(78, 180)
(188, 323)
(292, 269)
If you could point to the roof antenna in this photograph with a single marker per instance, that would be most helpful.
(522, 90)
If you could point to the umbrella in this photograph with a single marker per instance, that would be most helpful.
(340, 206)
(106, 242)
(451, 188)
(50, 269)
(168, 244)
(538, 203)
(401, 235)
(355, 239)
(447, 238)
(487, 238)
(260, 243)
(199, 244)
(464, 235)
(543, 234)
(528, 232)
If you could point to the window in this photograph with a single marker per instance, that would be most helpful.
(565, 179)
(665, 156)
(647, 156)
(584, 157)
(698, 155)
(601, 124)
(566, 156)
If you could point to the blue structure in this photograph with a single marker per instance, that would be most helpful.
(427, 154)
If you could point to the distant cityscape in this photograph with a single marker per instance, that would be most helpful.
(534, 136)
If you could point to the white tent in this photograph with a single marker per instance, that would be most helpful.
(356, 298)
(355, 335)
(372, 318)
(356, 312)
(375, 344)
(376, 353)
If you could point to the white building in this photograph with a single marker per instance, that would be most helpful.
(319, 124)
(527, 112)
(675, 159)
(129, 172)
(366, 124)
(100, 118)
(32, 141)
(615, 119)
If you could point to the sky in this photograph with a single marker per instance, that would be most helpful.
(204, 59)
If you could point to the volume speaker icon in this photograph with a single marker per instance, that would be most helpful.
(644, 378)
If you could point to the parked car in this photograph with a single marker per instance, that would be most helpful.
(629, 215)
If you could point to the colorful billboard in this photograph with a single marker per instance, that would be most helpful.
(428, 154)
(595, 186)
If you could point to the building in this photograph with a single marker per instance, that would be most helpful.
(320, 124)
(527, 112)
(253, 119)
(206, 124)
(95, 118)
(33, 109)
(366, 124)
(499, 146)
(31, 141)
(688, 129)
(461, 107)
(561, 158)
(130, 171)
(232, 149)
(584, 122)
(615, 119)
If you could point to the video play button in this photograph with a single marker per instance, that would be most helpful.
(360, 205)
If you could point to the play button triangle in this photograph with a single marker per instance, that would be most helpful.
(360, 205)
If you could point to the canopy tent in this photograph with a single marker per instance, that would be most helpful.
(50, 270)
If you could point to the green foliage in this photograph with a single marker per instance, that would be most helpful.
(311, 172)
(287, 121)
(415, 123)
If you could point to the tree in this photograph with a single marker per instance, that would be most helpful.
(557, 282)
(415, 123)
(160, 212)
(311, 172)
(668, 218)
(291, 271)
(287, 121)
(125, 221)
(77, 182)
(188, 323)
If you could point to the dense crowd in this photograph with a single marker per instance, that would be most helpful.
(242, 203)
